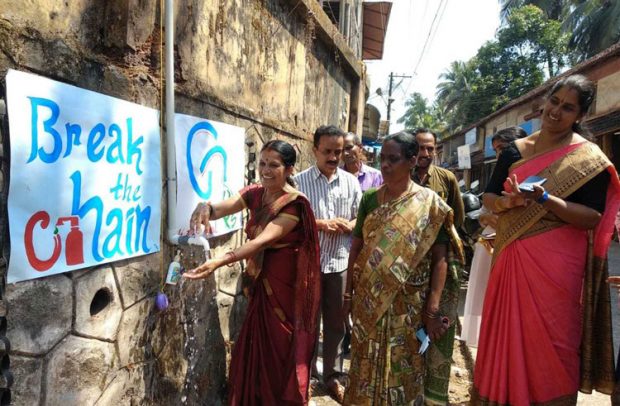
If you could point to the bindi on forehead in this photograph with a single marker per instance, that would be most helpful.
(567, 96)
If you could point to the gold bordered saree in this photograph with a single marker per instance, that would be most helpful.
(546, 323)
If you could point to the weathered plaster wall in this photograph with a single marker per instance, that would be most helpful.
(93, 336)
(608, 93)
(255, 54)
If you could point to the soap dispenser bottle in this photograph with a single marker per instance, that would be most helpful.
(174, 270)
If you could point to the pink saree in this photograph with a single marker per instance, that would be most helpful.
(547, 301)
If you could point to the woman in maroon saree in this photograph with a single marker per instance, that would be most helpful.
(546, 321)
(271, 359)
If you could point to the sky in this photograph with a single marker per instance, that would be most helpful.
(461, 27)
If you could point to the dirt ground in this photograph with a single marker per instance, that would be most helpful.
(460, 382)
(464, 357)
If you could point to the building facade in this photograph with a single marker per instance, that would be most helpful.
(276, 68)
(602, 122)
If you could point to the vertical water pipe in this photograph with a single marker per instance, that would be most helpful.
(171, 174)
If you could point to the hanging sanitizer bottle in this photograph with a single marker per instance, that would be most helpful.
(174, 270)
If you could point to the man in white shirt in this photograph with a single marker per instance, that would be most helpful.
(334, 195)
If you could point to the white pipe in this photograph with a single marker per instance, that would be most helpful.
(191, 240)
(170, 110)
(171, 175)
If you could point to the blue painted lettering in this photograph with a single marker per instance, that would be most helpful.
(133, 147)
(117, 145)
(211, 153)
(94, 203)
(73, 137)
(54, 110)
(95, 138)
(122, 148)
(117, 216)
(134, 222)
(126, 188)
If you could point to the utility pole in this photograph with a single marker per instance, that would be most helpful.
(390, 89)
(390, 100)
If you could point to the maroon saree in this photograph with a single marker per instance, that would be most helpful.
(271, 358)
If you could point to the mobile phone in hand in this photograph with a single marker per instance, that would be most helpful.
(528, 184)
(424, 340)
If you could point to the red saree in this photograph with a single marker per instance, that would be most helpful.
(547, 302)
(271, 359)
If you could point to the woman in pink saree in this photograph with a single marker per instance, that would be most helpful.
(546, 320)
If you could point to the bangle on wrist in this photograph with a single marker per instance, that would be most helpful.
(431, 315)
(497, 205)
(543, 198)
(346, 296)
(210, 210)
(233, 258)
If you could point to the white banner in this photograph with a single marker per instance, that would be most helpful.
(464, 157)
(85, 178)
(470, 137)
(210, 166)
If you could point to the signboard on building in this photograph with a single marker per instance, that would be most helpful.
(85, 178)
(488, 146)
(464, 157)
(531, 126)
(470, 137)
(210, 166)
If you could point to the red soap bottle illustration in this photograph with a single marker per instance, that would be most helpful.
(74, 253)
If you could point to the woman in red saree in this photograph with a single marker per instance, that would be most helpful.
(271, 359)
(546, 321)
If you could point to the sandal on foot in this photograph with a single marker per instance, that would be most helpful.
(335, 390)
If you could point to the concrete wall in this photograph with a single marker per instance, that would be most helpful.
(608, 93)
(93, 336)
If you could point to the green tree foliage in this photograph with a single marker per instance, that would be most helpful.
(420, 113)
(529, 48)
(553, 9)
(592, 25)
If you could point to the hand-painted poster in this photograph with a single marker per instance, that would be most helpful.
(210, 166)
(85, 184)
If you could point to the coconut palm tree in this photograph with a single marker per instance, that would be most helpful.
(554, 9)
(456, 84)
(593, 25)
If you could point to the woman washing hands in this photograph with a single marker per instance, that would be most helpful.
(270, 362)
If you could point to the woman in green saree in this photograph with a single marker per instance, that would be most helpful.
(398, 263)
